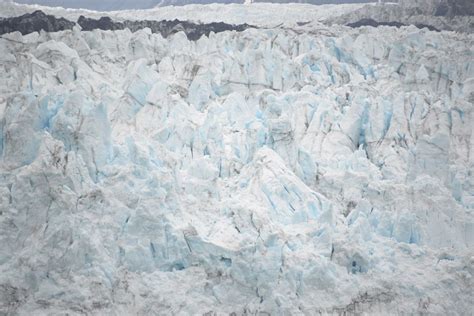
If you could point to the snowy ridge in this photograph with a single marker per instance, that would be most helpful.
(450, 15)
(293, 170)
(258, 14)
(107, 5)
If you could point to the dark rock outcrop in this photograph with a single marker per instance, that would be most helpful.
(104, 23)
(34, 22)
(165, 28)
(452, 8)
(37, 21)
(446, 15)
(373, 23)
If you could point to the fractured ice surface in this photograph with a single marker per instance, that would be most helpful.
(273, 170)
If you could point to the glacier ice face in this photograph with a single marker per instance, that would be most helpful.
(281, 170)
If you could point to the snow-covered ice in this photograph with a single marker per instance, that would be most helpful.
(298, 169)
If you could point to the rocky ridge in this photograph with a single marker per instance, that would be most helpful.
(39, 21)
(449, 15)
(34, 22)
(373, 23)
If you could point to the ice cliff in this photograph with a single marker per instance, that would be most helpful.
(299, 169)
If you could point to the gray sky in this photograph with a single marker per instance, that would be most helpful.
(105, 5)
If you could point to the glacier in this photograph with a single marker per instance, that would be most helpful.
(292, 168)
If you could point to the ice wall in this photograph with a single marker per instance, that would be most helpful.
(281, 171)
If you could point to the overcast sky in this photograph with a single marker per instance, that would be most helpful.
(143, 4)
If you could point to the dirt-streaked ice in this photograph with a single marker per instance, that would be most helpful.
(293, 170)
